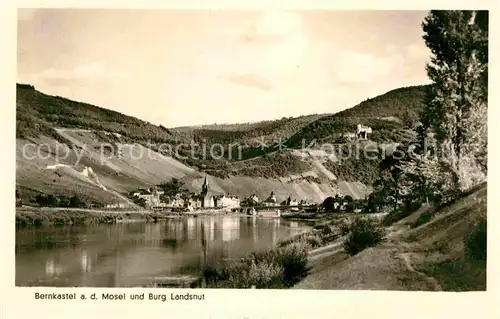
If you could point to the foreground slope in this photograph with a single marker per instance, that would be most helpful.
(429, 257)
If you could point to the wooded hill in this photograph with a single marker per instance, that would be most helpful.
(391, 116)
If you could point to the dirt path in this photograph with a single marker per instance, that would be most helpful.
(430, 280)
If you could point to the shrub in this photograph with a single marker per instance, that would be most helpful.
(364, 233)
(329, 204)
(139, 201)
(75, 202)
(311, 238)
(265, 275)
(476, 241)
(343, 225)
(278, 268)
(326, 230)
(244, 274)
(292, 259)
(424, 218)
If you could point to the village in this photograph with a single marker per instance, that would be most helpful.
(155, 198)
(182, 201)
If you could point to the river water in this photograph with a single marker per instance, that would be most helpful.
(131, 254)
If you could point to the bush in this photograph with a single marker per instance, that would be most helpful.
(343, 225)
(326, 230)
(47, 201)
(364, 233)
(329, 204)
(139, 201)
(311, 238)
(476, 241)
(292, 259)
(278, 268)
(424, 218)
(244, 274)
(75, 202)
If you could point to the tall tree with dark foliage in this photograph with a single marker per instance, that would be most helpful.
(456, 103)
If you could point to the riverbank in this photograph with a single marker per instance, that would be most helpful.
(277, 268)
(331, 239)
(53, 216)
(322, 217)
(39, 218)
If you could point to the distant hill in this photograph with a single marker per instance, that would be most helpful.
(269, 132)
(389, 115)
(38, 113)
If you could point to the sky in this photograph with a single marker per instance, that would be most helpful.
(179, 68)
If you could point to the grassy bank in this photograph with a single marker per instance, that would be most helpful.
(40, 218)
(277, 268)
(433, 248)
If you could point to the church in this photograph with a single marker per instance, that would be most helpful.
(207, 199)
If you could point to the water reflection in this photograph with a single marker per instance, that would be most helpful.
(130, 254)
(209, 228)
(52, 268)
(191, 228)
(230, 229)
(254, 229)
(86, 262)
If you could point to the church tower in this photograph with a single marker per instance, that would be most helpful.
(204, 192)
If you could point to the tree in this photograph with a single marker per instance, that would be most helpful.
(64, 201)
(329, 204)
(19, 201)
(75, 201)
(456, 103)
(41, 200)
(348, 198)
(388, 185)
(52, 201)
(139, 201)
(171, 188)
(374, 202)
(363, 233)
(425, 180)
(408, 118)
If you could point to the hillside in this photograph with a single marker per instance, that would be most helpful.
(389, 115)
(38, 113)
(110, 145)
(430, 255)
(115, 175)
(250, 134)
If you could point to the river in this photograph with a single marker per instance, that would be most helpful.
(130, 254)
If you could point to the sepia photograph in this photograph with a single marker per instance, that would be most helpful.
(274, 149)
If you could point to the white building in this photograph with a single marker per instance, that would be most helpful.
(227, 201)
(271, 200)
(363, 131)
(150, 195)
